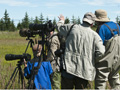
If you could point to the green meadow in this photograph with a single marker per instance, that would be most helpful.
(11, 43)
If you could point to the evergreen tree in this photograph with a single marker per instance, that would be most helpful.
(73, 20)
(31, 20)
(47, 19)
(36, 20)
(78, 21)
(54, 21)
(6, 21)
(67, 21)
(41, 19)
(117, 19)
(19, 26)
(25, 21)
(2, 25)
(9, 24)
(12, 26)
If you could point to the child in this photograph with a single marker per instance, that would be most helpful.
(42, 78)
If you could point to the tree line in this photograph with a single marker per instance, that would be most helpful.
(6, 24)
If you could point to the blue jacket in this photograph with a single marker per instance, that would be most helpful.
(42, 79)
(104, 31)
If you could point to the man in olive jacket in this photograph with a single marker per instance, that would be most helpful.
(83, 46)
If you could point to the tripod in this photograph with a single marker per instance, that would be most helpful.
(14, 74)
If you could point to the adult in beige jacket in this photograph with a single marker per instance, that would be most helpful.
(83, 47)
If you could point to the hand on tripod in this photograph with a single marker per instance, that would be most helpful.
(25, 63)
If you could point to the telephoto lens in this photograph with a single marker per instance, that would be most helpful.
(10, 57)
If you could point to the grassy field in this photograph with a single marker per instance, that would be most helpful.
(12, 43)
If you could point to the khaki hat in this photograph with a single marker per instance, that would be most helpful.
(36, 47)
(89, 17)
(101, 16)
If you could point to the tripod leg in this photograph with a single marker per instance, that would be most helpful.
(14, 78)
(21, 77)
(11, 78)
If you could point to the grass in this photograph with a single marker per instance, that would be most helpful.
(10, 43)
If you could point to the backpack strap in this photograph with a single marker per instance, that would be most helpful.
(69, 31)
(112, 30)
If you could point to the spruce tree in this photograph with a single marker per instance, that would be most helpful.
(67, 21)
(117, 19)
(2, 25)
(25, 21)
(73, 20)
(47, 19)
(31, 20)
(6, 21)
(54, 21)
(36, 20)
(19, 26)
(41, 19)
(12, 26)
(78, 21)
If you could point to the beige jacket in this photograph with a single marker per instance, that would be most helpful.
(83, 45)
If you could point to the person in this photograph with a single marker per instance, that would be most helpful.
(42, 77)
(107, 66)
(82, 47)
(54, 44)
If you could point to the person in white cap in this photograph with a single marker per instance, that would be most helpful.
(83, 46)
(107, 67)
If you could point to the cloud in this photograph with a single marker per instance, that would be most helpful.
(117, 12)
(17, 3)
(116, 1)
(93, 2)
(101, 2)
(54, 4)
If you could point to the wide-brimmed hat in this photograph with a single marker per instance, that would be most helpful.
(101, 16)
(89, 17)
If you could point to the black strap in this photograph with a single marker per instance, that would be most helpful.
(34, 71)
(112, 30)
(69, 31)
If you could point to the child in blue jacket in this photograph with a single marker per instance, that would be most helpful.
(42, 78)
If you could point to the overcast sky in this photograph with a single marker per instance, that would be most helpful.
(53, 8)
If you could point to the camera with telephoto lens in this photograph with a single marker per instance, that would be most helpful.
(35, 29)
(10, 57)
